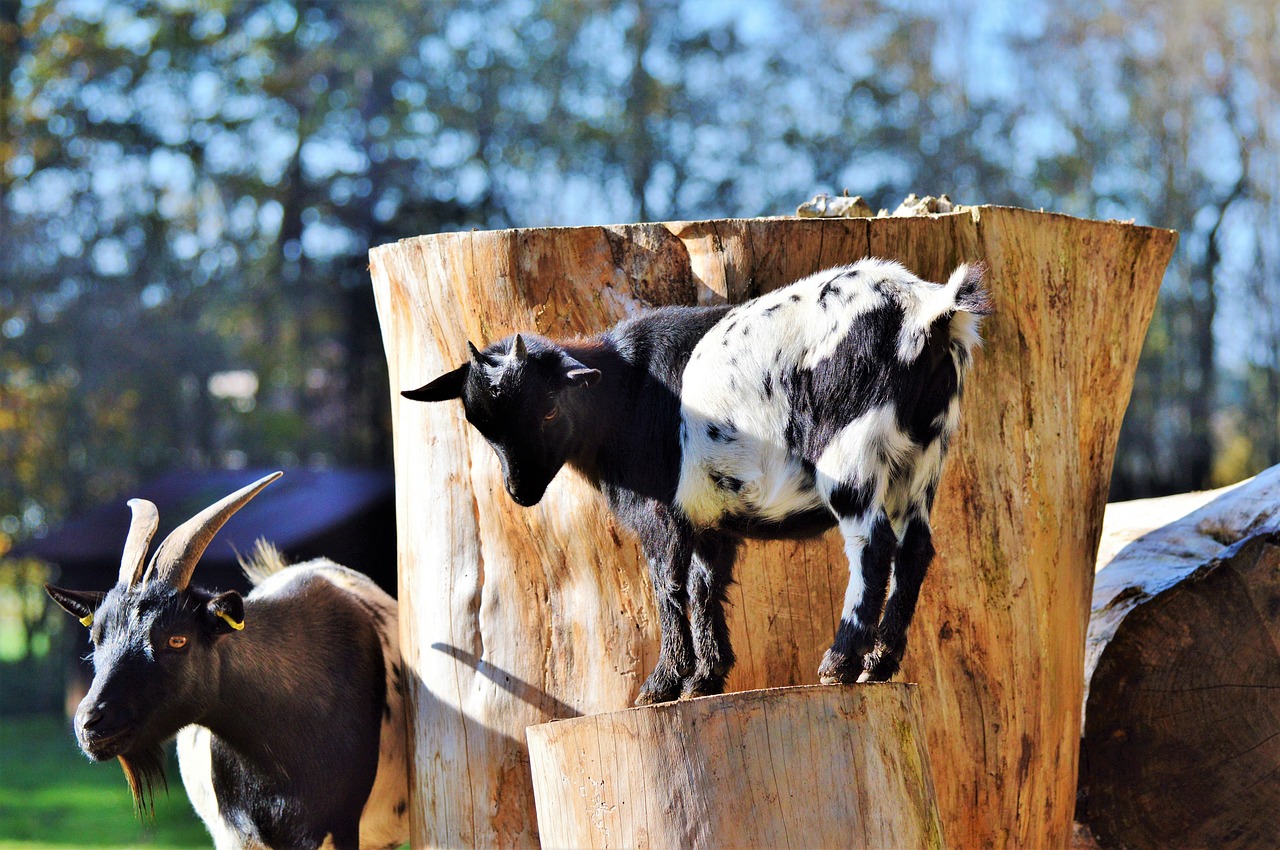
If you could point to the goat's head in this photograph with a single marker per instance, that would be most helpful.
(154, 642)
(518, 393)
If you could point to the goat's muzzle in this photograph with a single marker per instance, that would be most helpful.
(101, 731)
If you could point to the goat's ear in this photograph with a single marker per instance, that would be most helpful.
(447, 386)
(78, 603)
(577, 374)
(226, 612)
(583, 377)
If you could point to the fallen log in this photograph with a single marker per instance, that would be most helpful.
(1181, 742)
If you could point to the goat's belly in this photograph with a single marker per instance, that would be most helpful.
(761, 483)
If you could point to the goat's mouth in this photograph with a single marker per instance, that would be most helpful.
(104, 746)
(527, 497)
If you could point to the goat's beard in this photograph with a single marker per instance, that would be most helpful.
(144, 770)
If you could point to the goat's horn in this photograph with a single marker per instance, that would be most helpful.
(141, 529)
(519, 353)
(176, 558)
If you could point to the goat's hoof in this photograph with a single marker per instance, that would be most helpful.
(658, 689)
(838, 669)
(702, 686)
(880, 664)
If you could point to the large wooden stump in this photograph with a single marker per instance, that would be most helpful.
(1182, 715)
(511, 617)
(784, 768)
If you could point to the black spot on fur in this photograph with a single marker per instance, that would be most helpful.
(716, 433)
(773, 309)
(768, 386)
(795, 297)
(725, 482)
(848, 500)
(402, 807)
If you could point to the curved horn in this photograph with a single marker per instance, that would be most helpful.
(146, 519)
(176, 558)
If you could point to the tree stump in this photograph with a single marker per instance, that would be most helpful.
(512, 617)
(1181, 741)
(817, 766)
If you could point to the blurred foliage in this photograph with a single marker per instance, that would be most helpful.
(190, 187)
(32, 640)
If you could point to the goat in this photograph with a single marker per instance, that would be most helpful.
(830, 401)
(287, 704)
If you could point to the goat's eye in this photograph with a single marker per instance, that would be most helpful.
(178, 642)
(551, 414)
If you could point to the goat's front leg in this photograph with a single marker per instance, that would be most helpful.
(668, 546)
(709, 577)
(869, 543)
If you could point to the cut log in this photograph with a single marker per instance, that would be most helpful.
(834, 766)
(1181, 741)
(512, 617)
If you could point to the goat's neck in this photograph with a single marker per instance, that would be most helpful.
(256, 693)
(596, 411)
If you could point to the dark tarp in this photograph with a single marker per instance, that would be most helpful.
(347, 515)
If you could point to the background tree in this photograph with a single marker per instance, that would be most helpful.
(189, 189)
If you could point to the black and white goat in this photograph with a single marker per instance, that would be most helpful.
(287, 703)
(829, 401)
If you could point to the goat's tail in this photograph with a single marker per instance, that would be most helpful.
(971, 302)
(946, 314)
(263, 562)
(967, 292)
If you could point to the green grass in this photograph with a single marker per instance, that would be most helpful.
(53, 798)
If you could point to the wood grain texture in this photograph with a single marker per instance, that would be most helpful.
(817, 766)
(513, 617)
(1182, 712)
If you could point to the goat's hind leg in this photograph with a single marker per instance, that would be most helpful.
(710, 574)
(869, 543)
(915, 553)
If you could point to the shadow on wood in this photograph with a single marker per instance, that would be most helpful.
(558, 596)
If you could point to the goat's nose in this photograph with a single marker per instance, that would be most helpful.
(93, 716)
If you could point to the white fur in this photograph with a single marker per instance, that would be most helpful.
(797, 333)
(864, 450)
(856, 531)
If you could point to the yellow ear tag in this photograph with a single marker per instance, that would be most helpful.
(86, 620)
(230, 622)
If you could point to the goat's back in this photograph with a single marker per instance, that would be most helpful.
(773, 383)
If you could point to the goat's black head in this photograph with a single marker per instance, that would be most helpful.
(519, 394)
(155, 642)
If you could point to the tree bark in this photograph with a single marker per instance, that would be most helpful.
(834, 766)
(511, 617)
(1182, 709)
